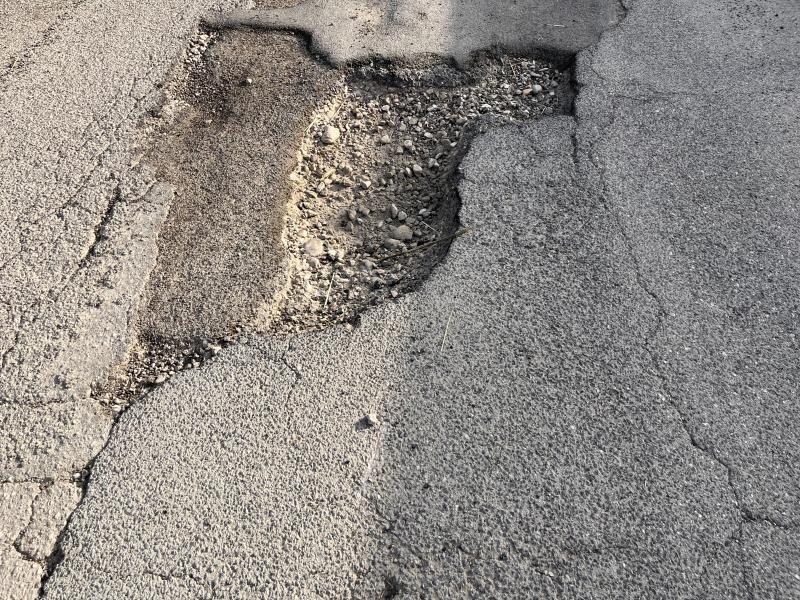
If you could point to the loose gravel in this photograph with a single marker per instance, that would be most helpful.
(375, 199)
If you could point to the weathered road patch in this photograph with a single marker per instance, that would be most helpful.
(227, 141)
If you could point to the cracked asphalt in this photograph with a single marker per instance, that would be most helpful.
(593, 396)
(78, 241)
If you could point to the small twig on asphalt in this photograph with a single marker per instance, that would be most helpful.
(429, 227)
(446, 328)
(313, 122)
(328, 293)
(341, 104)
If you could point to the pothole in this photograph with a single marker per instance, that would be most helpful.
(305, 194)
(375, 201)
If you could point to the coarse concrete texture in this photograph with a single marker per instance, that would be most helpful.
(49, 511)
(19, 575)
(357, 30)
(15, 502)
(79, 236)
(276, 479)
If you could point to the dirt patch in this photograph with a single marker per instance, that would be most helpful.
(226, 139)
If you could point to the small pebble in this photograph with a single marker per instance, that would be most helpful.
(330, 135)
(367, 422)
(402, 233)
(392, 244)
(314, 247)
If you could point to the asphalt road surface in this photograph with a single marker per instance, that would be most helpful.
(593, 396)
(357, 30)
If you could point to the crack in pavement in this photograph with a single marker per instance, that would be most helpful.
(747, 514)
(56, 555)
(658, 325)
(99, 236)
(18, 541)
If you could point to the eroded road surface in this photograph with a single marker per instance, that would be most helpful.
(349, 318)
